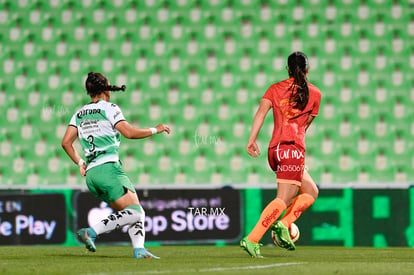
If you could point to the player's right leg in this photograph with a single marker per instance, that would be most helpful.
(308, 185)
(87, 236)
(308, 194)
(128, 216)
(284, 235)
(286, 190)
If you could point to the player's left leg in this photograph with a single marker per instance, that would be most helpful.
(136, 230)
(136, 233)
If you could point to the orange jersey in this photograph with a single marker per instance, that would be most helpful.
(290, 123)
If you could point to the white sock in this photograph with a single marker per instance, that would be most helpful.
(117, 220)
(136, 231)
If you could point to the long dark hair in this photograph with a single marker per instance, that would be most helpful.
(297, 68)
(97, 83)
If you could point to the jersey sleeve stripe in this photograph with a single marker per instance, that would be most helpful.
(119, 121)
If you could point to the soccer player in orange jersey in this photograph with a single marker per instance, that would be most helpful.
(295, 104)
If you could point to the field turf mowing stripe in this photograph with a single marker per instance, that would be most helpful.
(205, 259)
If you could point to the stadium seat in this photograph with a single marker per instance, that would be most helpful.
(347, 176)
(364, 174)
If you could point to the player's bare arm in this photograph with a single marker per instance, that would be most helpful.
(67, 144)
(252, 148)
(131, 132)
(309, 122)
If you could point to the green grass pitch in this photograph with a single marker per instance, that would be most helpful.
(205, 260)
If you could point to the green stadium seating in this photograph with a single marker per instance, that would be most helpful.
(203, 66)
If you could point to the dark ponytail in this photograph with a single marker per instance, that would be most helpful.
(297, 68)
(97, 83)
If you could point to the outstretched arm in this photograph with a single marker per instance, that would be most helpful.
(131, 132)
(252, 148)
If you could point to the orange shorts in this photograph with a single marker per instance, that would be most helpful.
(288, 162)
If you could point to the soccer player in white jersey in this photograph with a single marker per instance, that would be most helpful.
(98, 126)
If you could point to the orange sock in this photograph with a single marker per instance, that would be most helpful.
(299, 205)
(288, 210)
(269, 215)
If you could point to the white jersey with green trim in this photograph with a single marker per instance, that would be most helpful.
(97, 133)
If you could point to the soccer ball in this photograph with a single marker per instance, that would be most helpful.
(294, 235)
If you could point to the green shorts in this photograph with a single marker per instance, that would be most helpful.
(108, 181)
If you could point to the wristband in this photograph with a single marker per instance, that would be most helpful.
(81, 162)
(153, 130)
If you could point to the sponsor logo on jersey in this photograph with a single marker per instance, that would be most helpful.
(82, 113)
